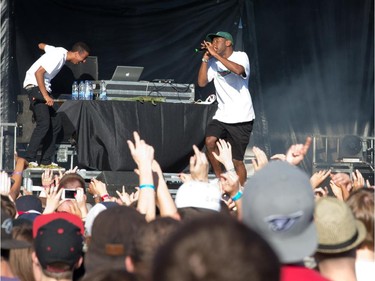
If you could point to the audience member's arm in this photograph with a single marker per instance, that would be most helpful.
(231, 185)
(358, 180)
(126, 198)
(5, 184)
(297, 152)
(100, 188)
(278, 156)
(143, 155)
(199, 165)
(320, 192)
(21, 164)
(225, 155)
(47, 178)
(71, 171)
(343, 180)
(164, 200)
(53, 196)
(337, 190)
(318, 177)
(184, 177)
(260, 159)
(81, 202)
(94, 192)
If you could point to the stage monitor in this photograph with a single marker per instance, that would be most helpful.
(85, 71)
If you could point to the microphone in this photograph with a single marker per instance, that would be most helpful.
(200, 49)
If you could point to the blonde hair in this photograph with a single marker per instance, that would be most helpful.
(20, 259)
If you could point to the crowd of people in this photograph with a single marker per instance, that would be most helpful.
(281, 225)
(278, 224)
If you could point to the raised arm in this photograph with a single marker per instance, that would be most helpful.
(143, 155)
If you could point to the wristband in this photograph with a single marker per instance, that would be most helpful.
(237, 196)
(147, 186)
(17, 173)
(231, 170)
(105, 196)
(204, 60)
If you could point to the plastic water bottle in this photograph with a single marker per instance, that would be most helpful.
(75, 91)
(87, 90)
(81, 89)
(103, 91)
(91, 91)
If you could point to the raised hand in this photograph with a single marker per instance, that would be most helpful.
(321, 192)
(80, 197)
(318, 177)
(260, 160)
(53, 196)
(47, 178)
(297, 152)
(225, 154)
(142, 153)
(5, 183)
(184, 177)
(358, 180)
(124, 197)
(71, 171)
(337, 191)
(343, 180)
(98, 187)
(199, 165)
(230, 183)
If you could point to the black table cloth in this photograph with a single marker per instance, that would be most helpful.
(103, 127)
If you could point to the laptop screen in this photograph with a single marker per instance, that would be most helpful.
(127, 73)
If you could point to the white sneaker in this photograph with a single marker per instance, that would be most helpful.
(52, 165)
(33, 165)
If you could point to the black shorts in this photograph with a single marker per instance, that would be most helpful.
(237, 134)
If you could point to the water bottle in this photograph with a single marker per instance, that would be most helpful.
(87, 90)
(81, 91)
(75, 91)
(103, 91)
(91, 91)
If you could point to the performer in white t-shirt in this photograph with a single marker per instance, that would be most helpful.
(37, 85)
(233, 120)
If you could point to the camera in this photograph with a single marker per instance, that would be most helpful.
(69, 194)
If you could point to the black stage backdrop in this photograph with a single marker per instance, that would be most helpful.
(312, 61)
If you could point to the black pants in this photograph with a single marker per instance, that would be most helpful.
(48, 126)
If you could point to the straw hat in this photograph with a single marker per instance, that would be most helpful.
(338, 230)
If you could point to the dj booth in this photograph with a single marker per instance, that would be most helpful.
(103, 127)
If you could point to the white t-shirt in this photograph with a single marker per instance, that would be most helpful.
(52, 61)
(365, 270)
(233, 96)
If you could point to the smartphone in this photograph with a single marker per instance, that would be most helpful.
(225, 197)
(69, 194)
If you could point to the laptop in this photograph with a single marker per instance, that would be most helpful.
(127, 73)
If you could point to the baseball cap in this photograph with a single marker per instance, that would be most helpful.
(198, 194)
(94, 212)
(338, 230)
(222, 34)
(112, 234)
(7, 241)
(278, 202)
(58, 238)
(28, 204)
